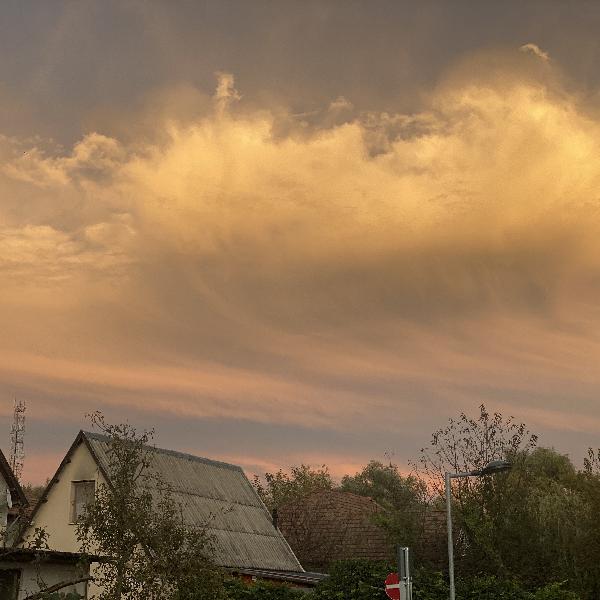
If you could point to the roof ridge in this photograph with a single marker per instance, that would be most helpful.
(175, 453)
(362, 497)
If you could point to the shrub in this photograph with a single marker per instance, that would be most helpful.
(488, 587)
(430, 585)
(555, 591)
(354, 580)
(238, 590)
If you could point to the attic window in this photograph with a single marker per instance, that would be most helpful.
(82, 495)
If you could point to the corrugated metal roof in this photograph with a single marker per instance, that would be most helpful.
(219, 496)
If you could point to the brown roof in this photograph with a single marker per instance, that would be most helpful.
(330, 525)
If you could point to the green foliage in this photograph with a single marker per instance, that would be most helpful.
(282, 488)
(430, 585)
(523, 523)
(535, 524)
(354, 580)
(488, 587)
(403, 497)
(554, 591)
(364, 580)
(386, 485)
(238, 590)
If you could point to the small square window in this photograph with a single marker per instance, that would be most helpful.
(82, 496)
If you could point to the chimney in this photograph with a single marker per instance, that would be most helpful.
(274, 517)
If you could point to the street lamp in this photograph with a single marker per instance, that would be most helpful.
(493, 467)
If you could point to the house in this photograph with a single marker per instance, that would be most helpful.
(212, 494)
(12, 502)
(24, 571)
(330, 525)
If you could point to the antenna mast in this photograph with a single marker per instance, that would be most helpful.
(17, 434)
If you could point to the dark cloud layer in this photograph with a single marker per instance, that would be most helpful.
(74, 65)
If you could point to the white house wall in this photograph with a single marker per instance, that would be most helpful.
(48, 574)
(54, 515)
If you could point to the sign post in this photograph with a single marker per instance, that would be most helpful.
(398, 586)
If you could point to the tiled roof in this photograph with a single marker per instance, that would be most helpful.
(333, 525)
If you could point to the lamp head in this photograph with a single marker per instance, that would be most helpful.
(495, 466)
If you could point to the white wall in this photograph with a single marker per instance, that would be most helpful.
(48, 573)
(54, 515)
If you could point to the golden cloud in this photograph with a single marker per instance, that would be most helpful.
(297, 255)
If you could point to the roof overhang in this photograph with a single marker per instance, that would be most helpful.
(297, 577)
(50, 556)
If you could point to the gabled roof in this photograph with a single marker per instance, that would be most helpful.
(214, 494)
(16, 491)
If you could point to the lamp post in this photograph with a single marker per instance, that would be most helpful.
(495, 466)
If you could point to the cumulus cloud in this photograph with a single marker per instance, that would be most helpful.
(361, 266)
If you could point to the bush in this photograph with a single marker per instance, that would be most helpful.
(354, 580)
(555, 591)
(488, 587)
(238, 590)
(364, 580)
(430, 585)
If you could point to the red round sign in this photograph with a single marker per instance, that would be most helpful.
(392, 586)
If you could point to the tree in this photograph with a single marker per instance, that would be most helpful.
(404, 499)
(526, 523)
(466, 444)
(485, 505)
(282, 488)
(534, 518)
(587, 533)
(136, 527)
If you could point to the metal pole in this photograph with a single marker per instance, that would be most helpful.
(400, 564)
(408, 575)
(495, 466)
(450, 544)
(404, 577)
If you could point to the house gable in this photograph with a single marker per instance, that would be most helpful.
(54, 511)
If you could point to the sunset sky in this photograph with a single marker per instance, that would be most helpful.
(285, 232)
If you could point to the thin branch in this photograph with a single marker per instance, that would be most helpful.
(57, 586)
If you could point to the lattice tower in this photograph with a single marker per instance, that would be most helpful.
(17, 439)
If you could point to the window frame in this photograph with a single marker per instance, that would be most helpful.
(74, 518)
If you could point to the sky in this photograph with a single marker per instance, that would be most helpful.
(298, 232)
